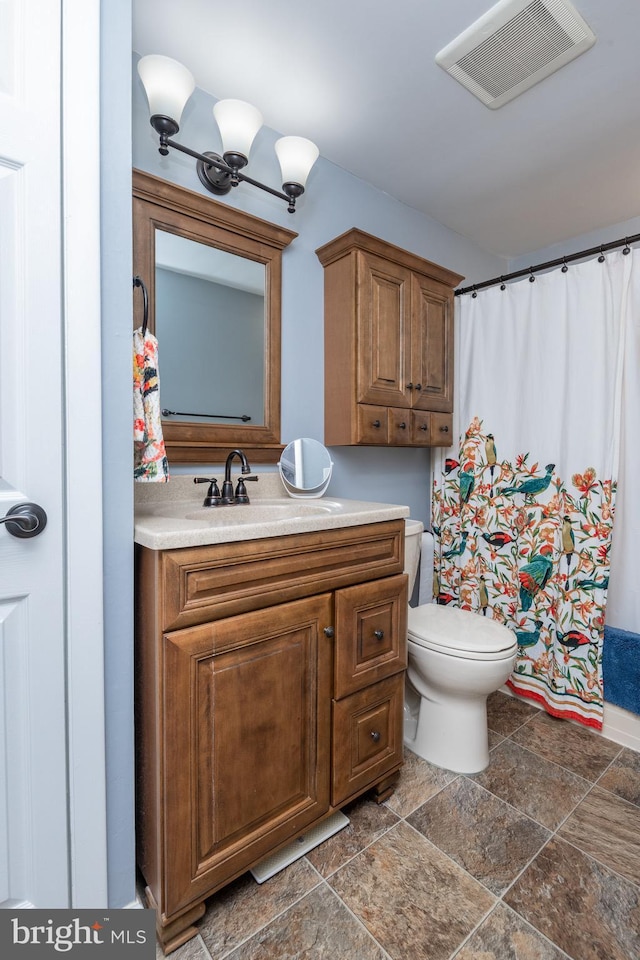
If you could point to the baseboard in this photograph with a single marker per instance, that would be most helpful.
(621, 726)
(618, 725)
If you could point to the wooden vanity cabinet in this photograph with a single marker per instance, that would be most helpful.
(388, 344)
(270, 678)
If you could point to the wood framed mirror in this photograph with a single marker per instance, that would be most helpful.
(214, 281)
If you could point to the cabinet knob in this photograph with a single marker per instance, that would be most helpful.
(376, 423)
(409, 386)
(424, 427)
(378, 634)
(402, 425)
(375, 735)
(444, 428)
(418, 386)
(329, 632)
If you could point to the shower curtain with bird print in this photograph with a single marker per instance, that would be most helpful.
(523, 505)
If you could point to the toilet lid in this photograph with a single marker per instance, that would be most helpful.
(459, 631)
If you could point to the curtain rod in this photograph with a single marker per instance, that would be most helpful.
(529, 271)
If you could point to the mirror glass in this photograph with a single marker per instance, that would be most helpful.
(305, 468)
(210, 320)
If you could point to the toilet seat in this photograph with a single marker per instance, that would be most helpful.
(460, 633)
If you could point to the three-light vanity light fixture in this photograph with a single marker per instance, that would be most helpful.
(168, 85)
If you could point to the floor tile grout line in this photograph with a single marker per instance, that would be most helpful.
(355, 855)
(600, 863)
(275, 917)
(474, 931)
(540, 756)
(358, 919)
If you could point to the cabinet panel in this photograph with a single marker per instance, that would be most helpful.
(371, 633)
(384, 331)
(246, 733)
(367, 731)
(431, 345)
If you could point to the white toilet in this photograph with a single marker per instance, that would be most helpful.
(456, 659)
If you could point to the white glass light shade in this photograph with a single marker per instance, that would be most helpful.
(168, 85)
(296, 155)
(238, 123)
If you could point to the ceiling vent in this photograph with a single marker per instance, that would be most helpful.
(515, 45)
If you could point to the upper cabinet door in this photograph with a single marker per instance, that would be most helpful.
(384, 331)
(431, 345)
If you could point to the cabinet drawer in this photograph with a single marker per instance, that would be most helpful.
(371, 633)
(441, 429)
(420, 428)
(399, 426)
(221, 580)
(372, 424)
(367, 737)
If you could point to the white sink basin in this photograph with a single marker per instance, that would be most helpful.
(260, 511)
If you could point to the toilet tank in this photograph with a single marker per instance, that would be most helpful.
(418, 553)
(412, 544)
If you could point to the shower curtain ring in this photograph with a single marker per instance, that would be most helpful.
(564, 265)
(601, 258)
(626, 248)
(503, 285)
(475, 292)
(531, 276)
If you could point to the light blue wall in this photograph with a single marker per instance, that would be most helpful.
(584, 242)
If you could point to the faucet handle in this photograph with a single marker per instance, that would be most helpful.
(212, 498)
(241, 490)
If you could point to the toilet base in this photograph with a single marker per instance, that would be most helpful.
(451, 735)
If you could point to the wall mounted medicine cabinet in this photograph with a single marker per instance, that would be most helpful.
(388, 344)
(214, 279)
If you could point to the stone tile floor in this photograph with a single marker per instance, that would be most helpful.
(535, 858)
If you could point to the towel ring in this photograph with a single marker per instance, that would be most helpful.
(138, 282)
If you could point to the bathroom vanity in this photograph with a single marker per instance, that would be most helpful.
(270, 659)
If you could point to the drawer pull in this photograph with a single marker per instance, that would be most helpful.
(402, 425)
(409, 386)
(329, 632)
(376, 423)
(375, 735)
(423, 426)
(444, 429)
(378, 634)
(418, 386)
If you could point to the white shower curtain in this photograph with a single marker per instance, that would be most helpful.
(523, 505)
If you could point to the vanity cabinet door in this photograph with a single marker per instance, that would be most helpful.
(246, 732)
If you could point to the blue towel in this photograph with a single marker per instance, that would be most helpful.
(621, 668)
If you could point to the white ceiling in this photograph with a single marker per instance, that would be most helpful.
(358, 77)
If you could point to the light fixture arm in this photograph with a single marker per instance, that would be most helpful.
(231, 178)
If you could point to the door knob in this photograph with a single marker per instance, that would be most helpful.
(25, 520)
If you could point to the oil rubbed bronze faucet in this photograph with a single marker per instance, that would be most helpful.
(228, 498)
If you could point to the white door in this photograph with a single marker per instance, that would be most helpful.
(34, 847)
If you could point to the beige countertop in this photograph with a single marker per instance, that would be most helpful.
(171, 515)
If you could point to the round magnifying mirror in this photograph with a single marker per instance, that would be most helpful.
(305, 468)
